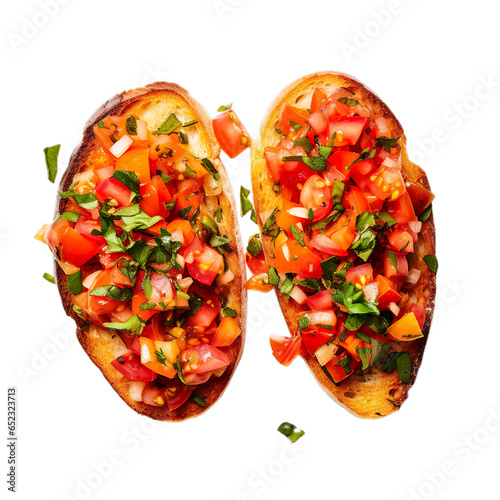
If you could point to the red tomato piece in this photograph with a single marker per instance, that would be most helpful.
(285, 349)
(203, 358)
(129, 365)
(400, 240)
(316, 195)
(230, 133)
(227, 332)
(341, 162)
(203, 262)
(421, 197)
(85, 226)
(360, 275)
(401, 268)
(354, 200)
(291, 115)
(257, 265)
(336, 367)
(321, 301)
(113, 189)
(348, 130)
(176, 394)
(387, 292)
(386, 183)
(401, 209)
(294, 258)
(318, 98)
(314, 340)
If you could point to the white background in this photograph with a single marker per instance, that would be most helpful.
(428, 61)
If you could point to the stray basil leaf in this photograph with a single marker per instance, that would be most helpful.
(254, 246)
(290, 431)
(386, 142)
(71, 216)
(246, 204)
(209, 167)
(298, 235)
(199, 400)
(49, 278)
(188, 124)
(51, 153)
(425, 214)
(304, 322)
(404, 366)
(273, 276)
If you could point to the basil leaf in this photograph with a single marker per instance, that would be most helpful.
(74, 283)
(183, 139)
(310, 215)
(298, 235)
(379, 352)
(71, 216)
(225, 107)
(254, 246)
(209, 224)
(217, 241)
(317, 163)
(108, 230)
(209, 167)
(338, 211)
(295, 125)
(51, 153)
(386, 142)
(404, 366)
(432, 262)
(345, 363)
(147, 286)
(364, 354)
(131, 125)
(425, 214)
(290, 431)
(270, 227)
(364, 221)
(139, 251)
(227, 311)
(218, 214)
(337, 192)
(134, 325)
(304, 143)
(49, 278)
(364, 245)
(128, 179)
(178, 367)
(387, 218)
(273, 276)
(349, 102)
(87, 200)
(195, 302)
(278, 131)
(354, 321)
(304, 322)
(160, 356)
(135, 219)
(287, 286)
(169, 125)
(329, 266)
(184, 212)
(246, 204)
(113, 292)
(188, 124)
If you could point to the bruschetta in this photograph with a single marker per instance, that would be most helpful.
(148, 254)
(348, 239)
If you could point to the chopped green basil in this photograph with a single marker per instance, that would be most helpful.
(51, 153)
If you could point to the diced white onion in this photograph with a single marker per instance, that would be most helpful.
(189, 258)
(325, 353)
(415, 226)
(301, 212)
(298, 295)
(181, 260)
(413, 276)
(185, 283)
(135, 390)
(87, 282)
(145, 355)
(119, 147)
(371, 291)
(211, 186)
(394, 308)
(225, 278)
(142, 130)
(286, 252)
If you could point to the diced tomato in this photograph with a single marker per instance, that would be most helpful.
(386, 183)
(154, 196)
(159, 356)
(405, 328)
(360, 275)
(354, 200)
(343, 231)
(259, 283)
(421, 197)
(401, 209)
(176, 394)
(227, 332)
(314, 340)
(337, 371)
(401, 269)
(387, 292)
(298, 259)
(184, 227)
(321, 301)
(155, 329)
(376, 204)
(135, 160)
(285, 349)
(85, 227)
(284, 219)
(102, 305)
(113, 189)
(204, 316)
(277, 167)
(68, 245)
(203, 358)
(197, 379)
(351, 344)
(203, 262)
(341, 162)
(230, 133)
(318, 121)
(189, 195)
(321, 321)
(150, 396)
(318, 98)
(104, 173)
(257, 265)
(129, 365)
(167, 148)
(417, 310)
(113, 128)
(400, 240)
(361, 171)
(348, 130)
(290, 114)
(316, 195)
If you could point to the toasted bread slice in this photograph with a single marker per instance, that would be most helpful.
(371, 394)
(154, 103)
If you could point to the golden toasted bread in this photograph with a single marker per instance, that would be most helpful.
(154, 103)
(373, 393)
